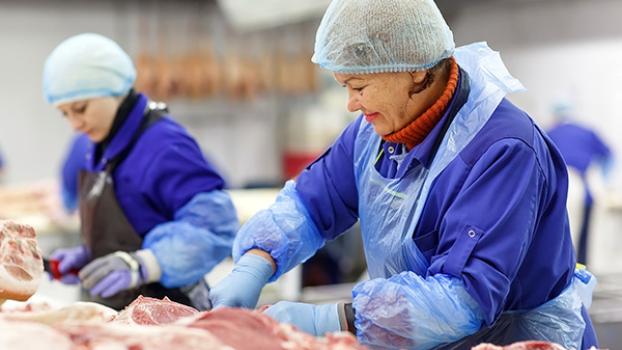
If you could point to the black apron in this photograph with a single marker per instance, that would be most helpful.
(105, 228)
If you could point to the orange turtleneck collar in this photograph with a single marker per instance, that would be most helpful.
(415, 132)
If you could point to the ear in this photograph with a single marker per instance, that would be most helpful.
(418, 77)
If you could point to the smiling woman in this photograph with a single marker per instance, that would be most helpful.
(459, 196)
(391, 101)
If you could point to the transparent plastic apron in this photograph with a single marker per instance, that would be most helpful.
(390, 208)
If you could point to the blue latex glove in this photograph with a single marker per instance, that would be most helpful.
(316, 320)
(70, 259)
(242, 286)
(118, 271)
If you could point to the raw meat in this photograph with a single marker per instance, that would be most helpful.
(150, 324)
(151, 311)
(126, 337)
(525, 345)
(80, 312)
(18, 306)
(28, 335)
(234, 327)
(21, 265)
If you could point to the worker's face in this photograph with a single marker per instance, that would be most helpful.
(386, 99)
(92, 117)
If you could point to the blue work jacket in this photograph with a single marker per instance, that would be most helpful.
(162, 172)
(509, 183)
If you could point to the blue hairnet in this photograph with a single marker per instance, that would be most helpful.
(371, 36)
(87, 66)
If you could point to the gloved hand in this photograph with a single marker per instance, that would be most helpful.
(242, 286)
(313, 319)
(118, 271)
(73, 258)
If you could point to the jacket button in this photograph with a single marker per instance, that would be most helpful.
(471, 233)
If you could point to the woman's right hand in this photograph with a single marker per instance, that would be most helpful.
(69, 259)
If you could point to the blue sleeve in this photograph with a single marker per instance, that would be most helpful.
(72, 165)
(285, 230)
(599, 147)
(177, 174)
(486, 232)
(199, 237)
(407, 311)
(328, 187)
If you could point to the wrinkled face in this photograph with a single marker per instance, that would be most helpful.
(92, 117)
(384, 98)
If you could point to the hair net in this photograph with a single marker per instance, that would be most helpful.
(371, 36)
(86, 66)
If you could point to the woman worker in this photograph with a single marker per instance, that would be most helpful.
(154, 216)
(461, 198)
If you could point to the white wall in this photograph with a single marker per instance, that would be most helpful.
(32, 134)
(560, 50)
(242, 140)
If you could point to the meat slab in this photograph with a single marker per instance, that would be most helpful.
(21, 265)
(150, 324)
(76, 313)
(151, 311)
(524, 345)
(30, 335)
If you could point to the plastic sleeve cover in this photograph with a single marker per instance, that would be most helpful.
(285, 230)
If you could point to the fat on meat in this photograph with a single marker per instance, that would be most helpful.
(151, 311)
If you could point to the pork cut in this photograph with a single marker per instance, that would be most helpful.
(76, 313)
(21, 265)
(234, 327)
(151, 311)
(110, 336)
(150, 324)
(524, 345)
(29, 335)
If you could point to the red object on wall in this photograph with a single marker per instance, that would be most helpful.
(295, 162)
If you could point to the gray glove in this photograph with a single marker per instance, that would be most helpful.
(118, 271)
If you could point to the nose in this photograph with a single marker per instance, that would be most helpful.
(353, 104)
(75, 122)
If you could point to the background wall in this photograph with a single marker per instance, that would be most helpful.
(243, 138)
(562, 51)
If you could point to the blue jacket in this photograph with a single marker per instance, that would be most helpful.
(509, 183)
(74, 162)
(171, 195)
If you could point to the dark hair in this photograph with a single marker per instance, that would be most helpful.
(429, 77)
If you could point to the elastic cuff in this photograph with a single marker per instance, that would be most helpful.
(134, 266)
(261, 266)
(149, 266)
(346, 317)
(343, 322)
